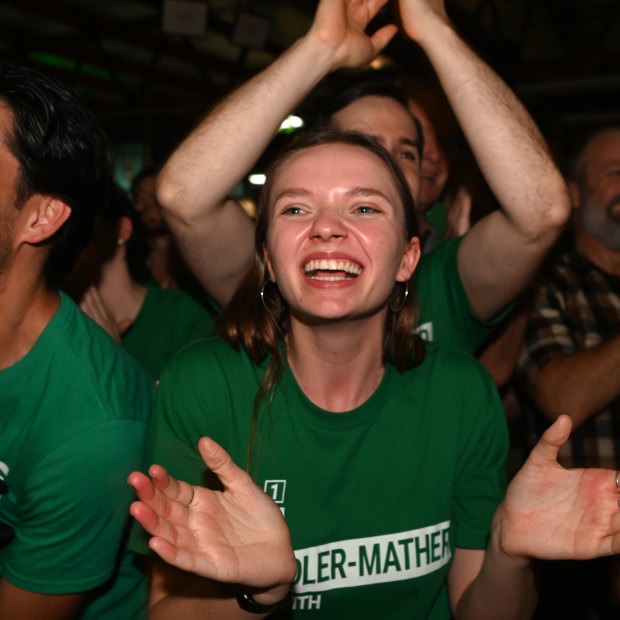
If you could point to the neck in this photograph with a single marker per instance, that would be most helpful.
(121, 295)
(597, 252)
(26, 307)
(338, 365)
(160, 260)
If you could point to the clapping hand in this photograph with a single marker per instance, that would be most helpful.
(233, 536)
(555, 513)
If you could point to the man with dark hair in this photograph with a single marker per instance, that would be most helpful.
(73, 406)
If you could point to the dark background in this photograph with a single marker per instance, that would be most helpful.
(149, 86)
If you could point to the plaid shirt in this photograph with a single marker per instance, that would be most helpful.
(576, 307)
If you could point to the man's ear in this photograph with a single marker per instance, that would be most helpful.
(272, 275)
(46, 217)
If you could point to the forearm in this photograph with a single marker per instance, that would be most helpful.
(504, 589)
(215, 234)
(500, 254)
(207, 165)
(579, 384)
(206, 599)
(19, 604)
(508, 147)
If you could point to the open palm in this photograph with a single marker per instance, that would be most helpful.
(234, 536)
(554, 513)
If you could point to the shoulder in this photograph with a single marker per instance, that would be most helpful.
(451, 383)
(97, 367)
(453, 366)
(212, 357)
(454, 395)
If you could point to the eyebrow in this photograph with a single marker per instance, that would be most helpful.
(416, 144)
(299, 192)
(292, 192)
(366, 192)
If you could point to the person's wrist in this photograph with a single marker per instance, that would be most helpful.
(325, 55)
(435, 28)
(500, 542)
(262, 600)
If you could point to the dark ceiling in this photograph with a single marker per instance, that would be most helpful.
(149, 85)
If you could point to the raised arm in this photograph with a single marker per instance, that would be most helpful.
(500, 254)
(548, 513)
(215, 234)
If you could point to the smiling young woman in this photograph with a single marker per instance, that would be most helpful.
(318, 378)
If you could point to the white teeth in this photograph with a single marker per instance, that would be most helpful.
(332, 265)
(328, 278)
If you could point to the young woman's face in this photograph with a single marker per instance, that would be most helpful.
(336, 240)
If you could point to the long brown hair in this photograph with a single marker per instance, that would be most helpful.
(257, 317)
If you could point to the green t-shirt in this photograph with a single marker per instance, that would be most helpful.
(73, 421)
(167, 321)
(375, 498)
(445, 315)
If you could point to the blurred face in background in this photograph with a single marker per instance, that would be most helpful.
(146, 204)
(599, 189)
(438, 127)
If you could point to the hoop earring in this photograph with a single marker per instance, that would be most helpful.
(262, 294)
(393, 303)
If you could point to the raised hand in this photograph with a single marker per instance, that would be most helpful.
(416, 15)
(233, 536)
(341, 24)
(554, 513)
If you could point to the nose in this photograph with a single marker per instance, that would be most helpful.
(327, 225)
(431, 152)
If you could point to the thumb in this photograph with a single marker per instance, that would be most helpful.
(552, 440)
(221, 463)
(383, 36)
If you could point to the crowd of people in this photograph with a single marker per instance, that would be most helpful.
(294, 398)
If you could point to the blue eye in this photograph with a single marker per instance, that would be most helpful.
(366, 209)
(293, 211)
(410, 155)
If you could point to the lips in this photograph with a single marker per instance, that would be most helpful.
(332, 269)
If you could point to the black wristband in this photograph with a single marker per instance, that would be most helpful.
(247, 602)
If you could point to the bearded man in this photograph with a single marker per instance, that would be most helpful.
(571, 358)
(570, 362)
